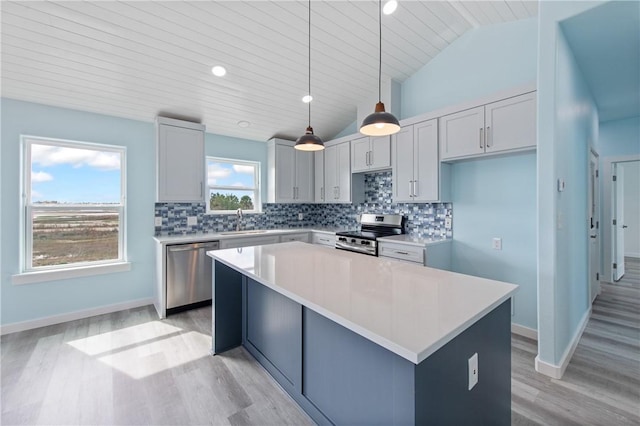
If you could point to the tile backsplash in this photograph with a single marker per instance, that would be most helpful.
(423, 219)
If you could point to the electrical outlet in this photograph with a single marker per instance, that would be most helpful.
(473, 371)
(300, 216)
(497, 244)
(158, 221)
(192, 220)
(447, 223)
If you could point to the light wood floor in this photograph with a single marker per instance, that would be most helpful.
(130, 368)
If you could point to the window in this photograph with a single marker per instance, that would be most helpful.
(74, 204)
(233, 184)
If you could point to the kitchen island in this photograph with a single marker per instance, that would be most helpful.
(357, 339)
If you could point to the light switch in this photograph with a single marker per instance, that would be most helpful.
(447, 223)
(497, 244)
(473, 371)
(192, 220)
(158, 221)
(300, 216)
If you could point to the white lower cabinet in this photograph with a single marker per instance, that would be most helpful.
(299, 236)
(324, 239)
(249, 241)
(435, 255)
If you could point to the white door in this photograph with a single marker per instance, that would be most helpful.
(343, 166)
(380, 154)
(511, 123)
(594, 227)
(360, 154)
(304, 176)
(318, 168)
(462, 134)
(331, 173)
(285, 173)
(618, 221)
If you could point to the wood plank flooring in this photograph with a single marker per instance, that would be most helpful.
(130, 368)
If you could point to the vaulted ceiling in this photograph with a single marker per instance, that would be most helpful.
(140, 59)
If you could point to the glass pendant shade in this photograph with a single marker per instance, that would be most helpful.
(309, 141)
(380, 123)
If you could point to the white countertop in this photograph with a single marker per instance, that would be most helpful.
(408, 309)
(189, 238)
(413, 240)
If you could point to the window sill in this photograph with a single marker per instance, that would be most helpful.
(66, 273)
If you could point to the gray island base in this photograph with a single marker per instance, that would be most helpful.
(340, 377)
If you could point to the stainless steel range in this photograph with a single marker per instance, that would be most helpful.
(372, 226)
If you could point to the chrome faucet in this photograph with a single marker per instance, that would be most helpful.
(238, 219)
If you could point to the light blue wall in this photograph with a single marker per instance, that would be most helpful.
(482, 61)
(496, 197)
(31, 301)
(567, 126)
(349, 130)
(619, 137)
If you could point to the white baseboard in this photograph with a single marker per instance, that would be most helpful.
(524, 331)
(557, 371)
(71, 316)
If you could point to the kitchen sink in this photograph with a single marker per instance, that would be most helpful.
(254, 231)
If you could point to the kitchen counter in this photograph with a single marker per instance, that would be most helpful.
(358, 339)
(408, 309)
(194, 238)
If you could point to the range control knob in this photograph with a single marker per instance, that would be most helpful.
(353, 240)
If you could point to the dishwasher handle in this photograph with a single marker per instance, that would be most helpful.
(213, 245)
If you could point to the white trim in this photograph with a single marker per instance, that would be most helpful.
(66, 273)
(607, 211)
(557, 371)
(636, 255)
(72, 316)
(521, 330)
(257, 189)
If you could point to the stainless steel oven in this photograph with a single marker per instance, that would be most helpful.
(372, 227)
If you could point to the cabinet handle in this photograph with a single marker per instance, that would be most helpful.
(410, 188)
(366, 158)
(402, 252)
(371, 158)
(415, 188)
(335, 192)
(338, 197)
(487, 137)
(322, 192)
(481, 134)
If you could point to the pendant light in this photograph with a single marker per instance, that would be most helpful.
(380, 123)
(309, 141)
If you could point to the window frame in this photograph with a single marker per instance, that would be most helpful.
(27, 207)
(257, 202)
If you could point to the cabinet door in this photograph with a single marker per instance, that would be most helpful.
(331, 173)
(274, 327)
(511, 123)
(343, 165)
(360, 154)
(318, 186)
(462, 134)
(403, 164)
(425, 161)
(285, 173)
(380, 153)
(304, 177)
(180, 164)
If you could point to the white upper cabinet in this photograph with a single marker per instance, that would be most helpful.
(290, 173)
(181, 160)
(319, 194)
(506, 125)
(370, 153)
(337, 173)
(416, 166)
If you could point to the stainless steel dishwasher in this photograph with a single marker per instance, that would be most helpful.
(188, 275)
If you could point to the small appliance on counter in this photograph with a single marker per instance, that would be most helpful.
(372, 226)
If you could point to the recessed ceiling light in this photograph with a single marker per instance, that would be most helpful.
(244, 124)
(218, 71)
(390, 7)
(307, 98)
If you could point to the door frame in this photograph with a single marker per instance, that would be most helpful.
(607, 211)
(594, 212)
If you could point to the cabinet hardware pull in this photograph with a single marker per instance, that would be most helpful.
(487, 137)
(481, 134)
(366, 158)
(402, 252)
(415, 188)
(338, 193)
(410, 188)
(322, 192)
(371, 158)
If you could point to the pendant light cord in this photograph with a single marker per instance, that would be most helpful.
(380, 51)
(309, 62)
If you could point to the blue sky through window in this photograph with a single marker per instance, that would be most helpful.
(74, 175)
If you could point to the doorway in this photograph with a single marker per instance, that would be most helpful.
(621, 236)
(594, 226)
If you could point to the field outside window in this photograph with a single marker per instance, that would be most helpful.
(232, 185)
(74, 204)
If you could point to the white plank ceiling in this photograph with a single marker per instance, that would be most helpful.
(139, 59)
